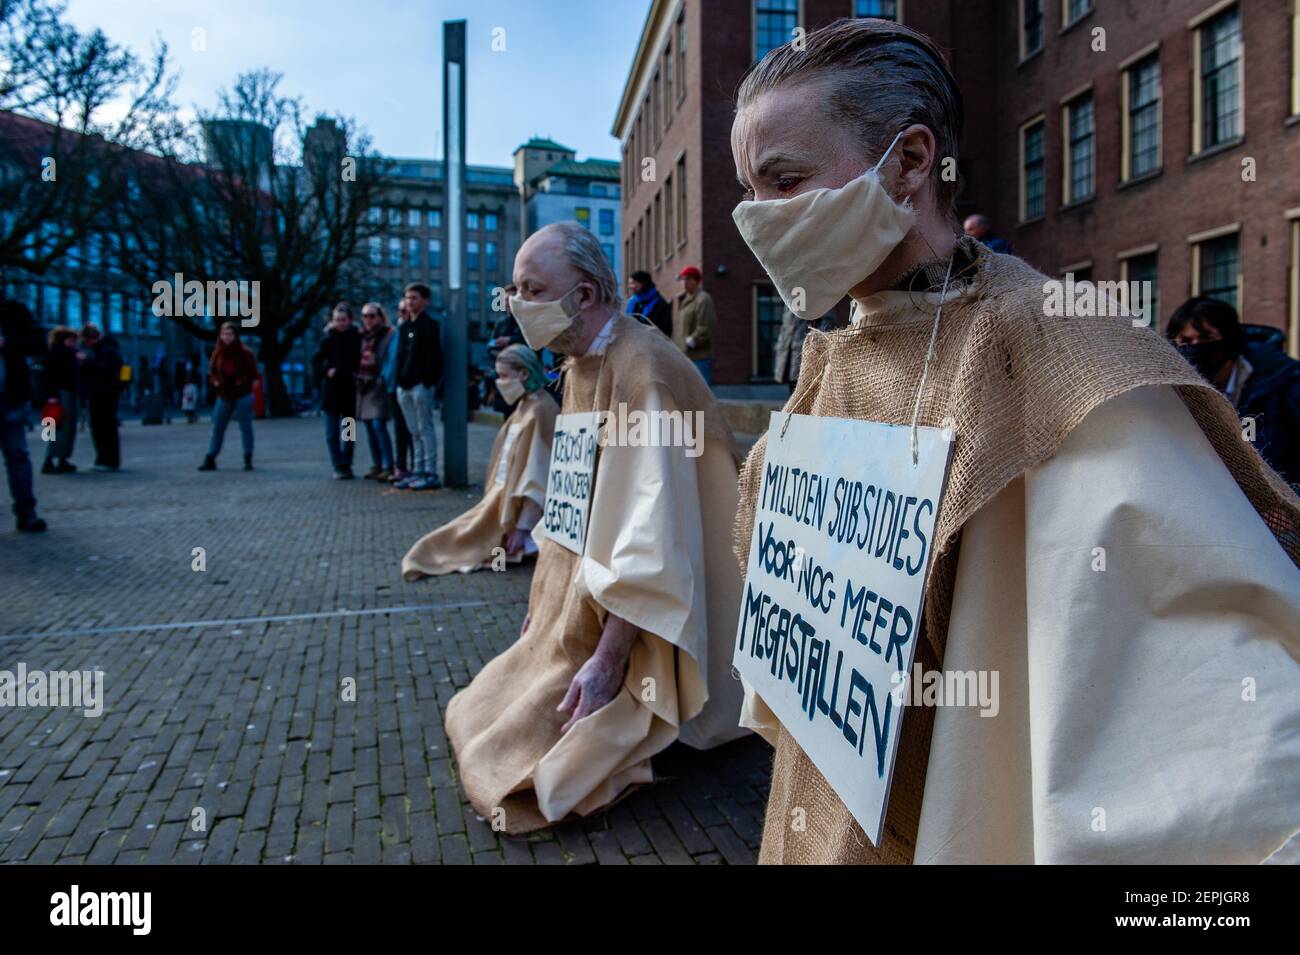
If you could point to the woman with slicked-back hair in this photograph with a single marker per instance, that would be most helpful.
(1107, 545)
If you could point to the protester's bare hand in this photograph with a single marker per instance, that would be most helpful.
(515, 542)
(502, 341)
(592, 687)
(330, 373)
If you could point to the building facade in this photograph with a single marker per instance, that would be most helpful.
(1153, 142)
(410, 246)
(555, 186)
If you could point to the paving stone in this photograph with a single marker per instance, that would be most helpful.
(223, 687)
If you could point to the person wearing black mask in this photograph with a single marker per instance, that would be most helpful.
(1248, 364)
(644, 299)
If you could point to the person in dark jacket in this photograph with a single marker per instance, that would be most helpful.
(419, 371)
(644, 299)
(61, 381)
(20, 339)
(373, 399)
(335, 362)
(101, 378)
(506, 331)
(1249, 365)
(231, 373)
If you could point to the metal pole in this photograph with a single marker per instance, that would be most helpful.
(455, 378)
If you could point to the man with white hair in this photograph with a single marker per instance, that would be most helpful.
(626, 646)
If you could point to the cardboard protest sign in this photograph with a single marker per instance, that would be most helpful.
(831, 609)
(569, 482)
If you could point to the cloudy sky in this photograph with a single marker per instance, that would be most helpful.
(379, 61)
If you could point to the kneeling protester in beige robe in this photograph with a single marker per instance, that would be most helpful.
(514, 487)
(532, 742)
(1129, 575)
(1109, 544)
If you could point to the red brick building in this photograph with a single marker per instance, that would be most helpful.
(1156, 141)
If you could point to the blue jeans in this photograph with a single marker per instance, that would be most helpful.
(705, 368)
(242, 410)
(13, 441)
(417, 408)
(340, 450)
(381, 443)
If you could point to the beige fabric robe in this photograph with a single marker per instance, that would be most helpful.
(658, 555)
(1122, 692)
(516, 473)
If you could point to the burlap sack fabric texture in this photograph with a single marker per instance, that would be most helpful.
(1012, 382)
(504, 727)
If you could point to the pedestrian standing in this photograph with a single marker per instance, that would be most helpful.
(644, 299)
(231, 373)
(335, 363)
(372, 396)
(20, 339)
(402, 456)
(101, 374)
(419, 370)
(788, 351)
(61, 383)
(694, 321)
(190, 401)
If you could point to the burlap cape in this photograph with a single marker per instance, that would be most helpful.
(504, 723)
(466, 543)
(1012, 382)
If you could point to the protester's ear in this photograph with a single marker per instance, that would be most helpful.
(914, 157)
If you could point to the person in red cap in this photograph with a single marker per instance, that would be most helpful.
(693, 322)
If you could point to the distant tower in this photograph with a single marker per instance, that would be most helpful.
(240, 145)
(531, 160)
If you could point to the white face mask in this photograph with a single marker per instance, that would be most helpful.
(541, 322)
(512, 389)
(818, 245)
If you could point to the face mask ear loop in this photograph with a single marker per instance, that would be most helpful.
(929, 355)
(876, 167)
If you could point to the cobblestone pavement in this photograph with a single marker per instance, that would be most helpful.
(222, 687)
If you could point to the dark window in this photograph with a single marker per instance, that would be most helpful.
(1075, 9)
(774, 24)
(1219, 268)
(881, 9)
(1035, 198)
(1144, 116)
(1142, 268)
(1220, 86)
(1081, 149)
(1032, 28)
(768, 311)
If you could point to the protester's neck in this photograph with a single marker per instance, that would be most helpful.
(926, 242)
(592, 323)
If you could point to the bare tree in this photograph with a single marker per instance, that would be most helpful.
(247, 193)
(75, 107)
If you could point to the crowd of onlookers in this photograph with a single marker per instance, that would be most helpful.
(383, 377)
(81, 374)
(383, 373)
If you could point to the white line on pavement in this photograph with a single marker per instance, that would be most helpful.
(273, 618)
